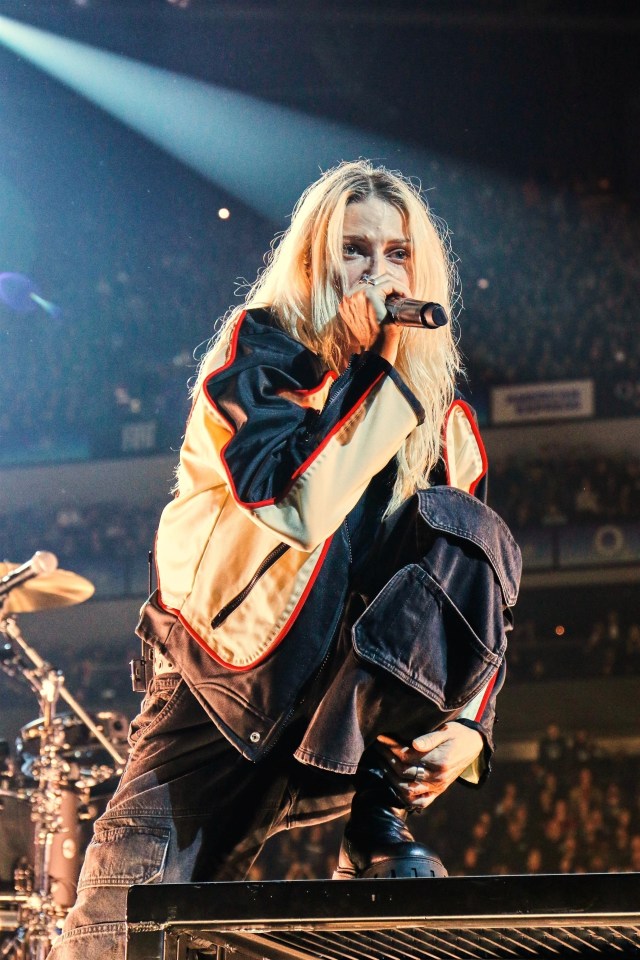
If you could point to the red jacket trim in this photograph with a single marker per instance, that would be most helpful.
(272, 500)
(464, 406)
(486, 696)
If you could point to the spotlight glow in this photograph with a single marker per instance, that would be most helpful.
(260, 152)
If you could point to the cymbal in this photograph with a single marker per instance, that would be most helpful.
(58, 589)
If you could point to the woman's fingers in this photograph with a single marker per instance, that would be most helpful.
(415, 791)
(420, 775)
(410, 754)
(363, 311)
(376, 290)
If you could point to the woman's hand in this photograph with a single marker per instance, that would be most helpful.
(363, 310)
(424, 770)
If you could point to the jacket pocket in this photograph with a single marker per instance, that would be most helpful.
(462, 517)
(414, 631)
(240, 597)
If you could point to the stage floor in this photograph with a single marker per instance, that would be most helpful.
(541, 916)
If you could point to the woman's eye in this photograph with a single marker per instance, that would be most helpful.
(350, 250)
(400, 254)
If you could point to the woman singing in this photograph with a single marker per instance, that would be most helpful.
(328, 630)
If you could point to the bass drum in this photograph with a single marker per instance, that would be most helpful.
(17, 846)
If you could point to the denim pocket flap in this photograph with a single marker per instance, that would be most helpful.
(457, 513)
(122, 855)
(415, 632)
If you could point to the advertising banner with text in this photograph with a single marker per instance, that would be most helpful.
(531, 402)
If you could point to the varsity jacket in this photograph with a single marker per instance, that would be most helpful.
(252, 555)
(277, 451)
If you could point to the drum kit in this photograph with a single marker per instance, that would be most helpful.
(64, 761)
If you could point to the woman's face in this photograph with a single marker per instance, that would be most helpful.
(375, 242)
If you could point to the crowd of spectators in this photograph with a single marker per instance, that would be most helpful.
(559, 489)
(549, 277)
(122, 352)
(574, 809)
(543, 271)
(555, 299)
(80, 532)
(545, 492)
(609, 648)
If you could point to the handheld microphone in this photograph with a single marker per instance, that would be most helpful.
(415, 313)
(40, 563)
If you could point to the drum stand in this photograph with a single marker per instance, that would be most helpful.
(44, 907)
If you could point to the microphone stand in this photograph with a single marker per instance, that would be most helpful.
(10, 627)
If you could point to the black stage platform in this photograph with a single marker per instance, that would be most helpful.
(584, 915)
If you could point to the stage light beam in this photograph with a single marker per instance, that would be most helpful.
(263, 153)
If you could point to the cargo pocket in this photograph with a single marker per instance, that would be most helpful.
(415, 632)
(461, 517)
(119, 856)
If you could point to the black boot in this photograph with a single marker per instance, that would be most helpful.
(377, 842)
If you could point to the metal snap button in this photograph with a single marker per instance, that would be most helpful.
(254, 737)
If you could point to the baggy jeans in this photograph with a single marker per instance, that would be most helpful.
(416, 643)
(189, 807)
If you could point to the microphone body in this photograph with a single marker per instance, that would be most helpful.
(415, 313)
(40, 563)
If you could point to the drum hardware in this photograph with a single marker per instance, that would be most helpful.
(9, 780)
(61, 774)
(10, 908)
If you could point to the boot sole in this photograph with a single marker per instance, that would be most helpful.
(400, 868)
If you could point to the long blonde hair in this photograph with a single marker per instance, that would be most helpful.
(303, 282)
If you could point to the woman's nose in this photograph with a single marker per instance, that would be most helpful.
(376, 263)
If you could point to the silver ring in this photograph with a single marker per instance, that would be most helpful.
(365, 278)
(420, 773)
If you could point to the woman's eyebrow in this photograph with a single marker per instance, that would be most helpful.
(367, 238)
